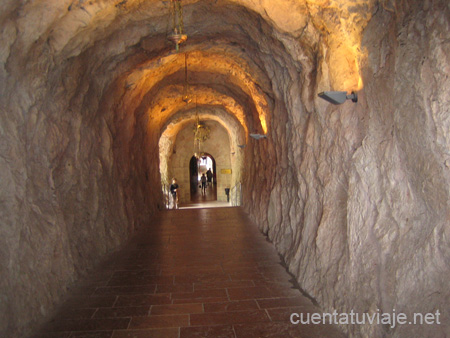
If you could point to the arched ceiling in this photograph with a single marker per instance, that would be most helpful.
(168, 102)
(236, 49)
(216, 113)
(214, 78)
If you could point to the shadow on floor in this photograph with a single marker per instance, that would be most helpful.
(192, 273)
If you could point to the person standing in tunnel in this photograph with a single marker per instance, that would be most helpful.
(203, 179)
(173, 190)
(209, 176)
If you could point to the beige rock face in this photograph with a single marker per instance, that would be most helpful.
(361, 213)
(354, 197)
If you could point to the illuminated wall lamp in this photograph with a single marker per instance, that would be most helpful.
(338, 97)
(258, 136)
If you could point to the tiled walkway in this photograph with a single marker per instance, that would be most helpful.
(193, 273)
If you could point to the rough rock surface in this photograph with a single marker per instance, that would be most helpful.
(361, 209)
(354, 197)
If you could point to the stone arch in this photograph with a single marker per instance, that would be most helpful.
(218, 146)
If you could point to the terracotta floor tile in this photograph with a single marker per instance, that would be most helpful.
(285, 330)
(223, 318)
(201, 278)
(88, 324)
(183, 269)
(273, 269)
(132, 274)
(125, 290)
(76, 313)
(176, 309)
(269, 262)
(231, 306)
(87, 290)
(136, 280)
(142, 300)
(223, 284)
(207, 332)
(233, 263)
(283, 291)
(97, 278)
(284, 302)
(249, 275)
(159, 321)
(276, 277)
(256, 292)
(200, 294)
(274, 284)
(92, 334)
(202, 300)
(191, 273)
(152, 333)
(268, 330)
(243, 270)
(175, 288)
(90, 301)
(52, 335)
(138, 266)
(121, 312)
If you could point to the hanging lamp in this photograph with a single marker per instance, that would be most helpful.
(177, 35)
(201, 134)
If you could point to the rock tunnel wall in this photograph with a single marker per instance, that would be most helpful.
(74, 181)
(357, 202)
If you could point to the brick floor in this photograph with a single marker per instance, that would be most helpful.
(192, 273)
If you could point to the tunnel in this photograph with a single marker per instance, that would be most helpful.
(354, 197)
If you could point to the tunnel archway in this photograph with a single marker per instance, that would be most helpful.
(197, 167)
(176, 154)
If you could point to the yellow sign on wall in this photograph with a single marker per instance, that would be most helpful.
(225, 171)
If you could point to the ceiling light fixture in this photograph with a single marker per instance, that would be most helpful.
(177, 35)
(201, 134)
(338, 97)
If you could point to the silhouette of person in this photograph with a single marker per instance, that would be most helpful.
(203, 179)
(173, 190)
(209, 176)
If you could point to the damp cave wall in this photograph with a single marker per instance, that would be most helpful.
(75, 178)
(356, 197)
